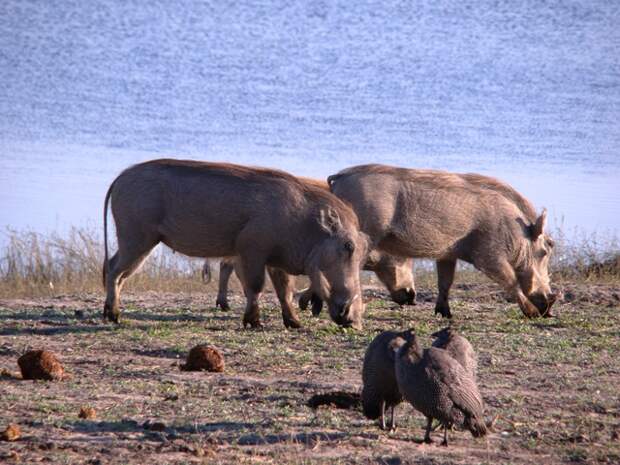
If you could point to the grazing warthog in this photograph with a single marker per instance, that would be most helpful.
(392, 271)
(265, 217)
(447, 216)
(396, 273)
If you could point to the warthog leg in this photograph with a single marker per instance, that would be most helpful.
(527, 307)
(251, 272)
(226, 269)
(284, 290)
(317, 305)
(504, 275)
(306, 297)
(445, 278)
(132, 251)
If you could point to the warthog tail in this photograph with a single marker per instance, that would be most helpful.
(106, 265)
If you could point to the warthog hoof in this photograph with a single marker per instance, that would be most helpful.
(252, 321)
(443, 309)
(317, 305)
(110, 314)
(403, 296)
(222, 303)
(292, 323)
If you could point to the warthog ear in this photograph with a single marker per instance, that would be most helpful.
(330, 220)
(539, 227)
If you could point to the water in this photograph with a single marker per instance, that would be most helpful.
(526, 91)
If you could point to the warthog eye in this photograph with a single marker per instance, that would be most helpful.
(349, 247)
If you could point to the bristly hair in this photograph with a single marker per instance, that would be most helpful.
(445, 179)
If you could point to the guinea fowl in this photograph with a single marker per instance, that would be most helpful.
(380, 391)
(459, 349)
(439, 387)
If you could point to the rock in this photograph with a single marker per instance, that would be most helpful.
(204, 358)
(11, 433)
(40, 364)
(87, 413)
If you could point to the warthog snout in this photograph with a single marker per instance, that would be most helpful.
(544, 302)
(340, 311)
(343, 313)
(403, 296)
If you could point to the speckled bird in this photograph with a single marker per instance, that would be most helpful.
(438, 386)
(380, 391)
(459, 348)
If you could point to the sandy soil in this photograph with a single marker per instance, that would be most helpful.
(552, 383)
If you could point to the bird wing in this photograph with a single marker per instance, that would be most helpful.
(462, 388)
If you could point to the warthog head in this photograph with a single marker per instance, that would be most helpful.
(334, 269)
(396, 273)
(532, 269)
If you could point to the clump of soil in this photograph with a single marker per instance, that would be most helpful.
(4, 373)
(337, 399)
(11, 433)
(87, 413)
(204, 358)
(40, 364)
(154, 426)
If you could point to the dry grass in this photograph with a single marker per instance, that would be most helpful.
(32, 264)
(35, 265)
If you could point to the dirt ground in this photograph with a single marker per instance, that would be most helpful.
(553, 384)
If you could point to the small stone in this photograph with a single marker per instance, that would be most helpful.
(87, 413)
(11, 433)
(204, 358)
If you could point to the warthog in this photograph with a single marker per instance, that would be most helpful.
(265, 217)
(390, 270)
(447, 216)
(396, 273)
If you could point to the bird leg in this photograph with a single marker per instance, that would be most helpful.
(445, 436)
(383, 415)
(392, 422)
(427, 435)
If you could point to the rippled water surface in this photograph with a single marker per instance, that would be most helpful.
(527, 91)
